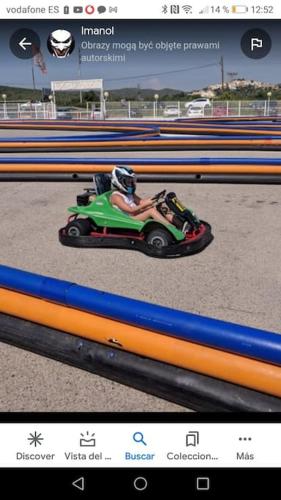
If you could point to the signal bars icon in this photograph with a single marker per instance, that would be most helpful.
(205, 10)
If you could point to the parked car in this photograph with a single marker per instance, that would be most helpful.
(136, 113)
(64, 113)
(195, 111)
(98, 115)
(200, 102)
(220, 111)
(257, 105)
(171, 111)
(29, 110)
(31, 105)
(273, 109)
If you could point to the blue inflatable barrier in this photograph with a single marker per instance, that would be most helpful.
(243, 340)
(139, 135)
(142, 161)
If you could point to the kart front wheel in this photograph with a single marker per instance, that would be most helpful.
(159, 238)
(78, 227)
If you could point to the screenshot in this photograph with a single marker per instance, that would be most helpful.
(140, 236)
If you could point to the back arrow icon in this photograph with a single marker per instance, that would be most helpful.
(79, 483)
(23, 43)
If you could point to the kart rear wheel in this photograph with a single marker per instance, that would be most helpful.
(159, 238)
(78, 227)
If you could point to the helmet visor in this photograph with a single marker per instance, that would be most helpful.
(130, 182)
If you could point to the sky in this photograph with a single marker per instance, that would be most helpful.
(191, 70)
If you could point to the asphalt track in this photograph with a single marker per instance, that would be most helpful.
(237, 278)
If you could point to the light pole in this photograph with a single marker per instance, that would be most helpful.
(80, 73)
(269, 94)
(105, 97)
(53, 106)
(4, 97)
(156, 97)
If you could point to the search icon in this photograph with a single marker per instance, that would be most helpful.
(138, 438)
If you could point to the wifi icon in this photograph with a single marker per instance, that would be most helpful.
(187, 9)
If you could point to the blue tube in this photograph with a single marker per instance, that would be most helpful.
(143, 161)
(114, 136)
(139, 136)
(231, 337)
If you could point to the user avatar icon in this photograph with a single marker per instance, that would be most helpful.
(61, 43)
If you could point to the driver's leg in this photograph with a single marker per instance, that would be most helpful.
(153, 213)
(166, 212)
(170, 216)
(178, 223)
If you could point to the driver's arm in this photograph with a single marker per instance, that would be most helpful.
(143, 203)
(120, 203)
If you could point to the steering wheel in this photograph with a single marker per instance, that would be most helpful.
(159, 195)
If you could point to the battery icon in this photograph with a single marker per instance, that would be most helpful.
(66, 10)
(239, 9)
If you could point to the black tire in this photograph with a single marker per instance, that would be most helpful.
(78, 227)
(159, 238)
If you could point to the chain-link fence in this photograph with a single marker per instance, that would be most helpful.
(138, 110)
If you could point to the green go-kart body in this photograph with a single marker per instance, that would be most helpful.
(103, 214)
(96, 223)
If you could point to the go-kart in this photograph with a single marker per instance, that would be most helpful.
(96, 223)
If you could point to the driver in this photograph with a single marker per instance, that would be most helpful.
(123, 197)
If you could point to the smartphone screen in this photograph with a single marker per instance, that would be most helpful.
(140, 241)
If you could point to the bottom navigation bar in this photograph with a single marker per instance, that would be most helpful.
(96, 445)
(140, 483)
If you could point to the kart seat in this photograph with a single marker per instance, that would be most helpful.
(103, 183)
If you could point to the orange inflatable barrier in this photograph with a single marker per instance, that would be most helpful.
(251, 169)
(149, 127)
(136, 143)
(229, 367)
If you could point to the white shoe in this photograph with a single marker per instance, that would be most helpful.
(185, 227)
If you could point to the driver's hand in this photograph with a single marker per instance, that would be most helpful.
(148, 201)
(160, 199)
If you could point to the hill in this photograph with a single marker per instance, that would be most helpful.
(73, 99)
(17, 94)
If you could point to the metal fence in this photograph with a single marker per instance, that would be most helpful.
(178, 109)
(138, 110)
(41, 111)
(26, 110)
